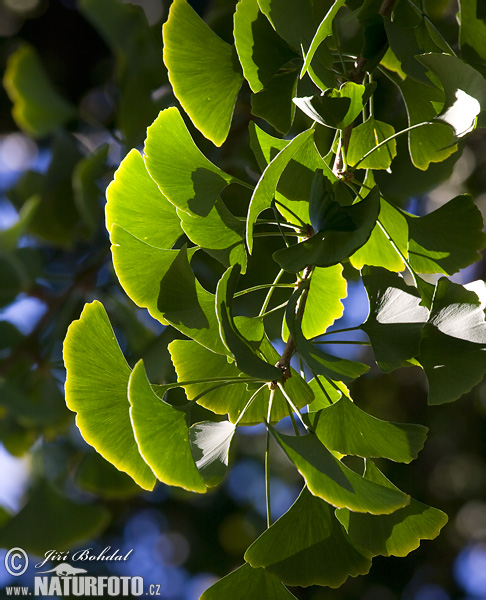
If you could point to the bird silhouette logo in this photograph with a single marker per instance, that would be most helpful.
(65, 570)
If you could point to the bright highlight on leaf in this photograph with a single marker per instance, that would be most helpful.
(96, 388)
(202, 69)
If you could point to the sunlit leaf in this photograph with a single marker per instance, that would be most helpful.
(396, 318)
(366, 136)
(136, 203)
(210, 445)
(331, 480)
(38, 108)
(381, 248)
(329, 247)
(246, 583)
(308, 546)
(347, 429)
(265, 191)
(184, 175)
(162, 434)
(397, 534)
(208, 91)
(221, 234)
(448, 239)
(96, 388)
(65, 523)
(260, 50)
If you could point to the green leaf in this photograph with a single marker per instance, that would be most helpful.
(162, 435)
(63, 523)
(326, 392)
(308, 546)
(320, 362)
(366, 136)
(38, 109)
(261, 51)
(264, 146)
(347, 429)
(9, 237)
(136, 203)
(184, 175)
(97, 476)
(447, 239)
(208, 91)
(274, 102)
(330, 479)
(265, 190)
(220, 234)
(96, 388)
(379, 250)
(431, 143)
(86, 187)
(210, 445)
(193, 362)
(293, 20)
(396, 319)
(397, 534)
(246, 583)
(323, 31)
(453, 349)
(240, 348)
(472, 33)
(187, 305)
(335, 108)
(464, 88)
(329, 247)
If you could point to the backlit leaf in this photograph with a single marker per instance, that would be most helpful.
(308, 546)
(366, 136)
(203, 71)
(162, 434)
(96, 388)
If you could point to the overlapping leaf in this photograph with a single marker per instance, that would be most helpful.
(96, 388)
(308, 546)
(162, 434)
(184, 175)
(210, 445)
(396, 534)
(331, 480)
(203, 71)
(364, 138)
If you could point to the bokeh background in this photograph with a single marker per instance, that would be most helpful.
(105, 58)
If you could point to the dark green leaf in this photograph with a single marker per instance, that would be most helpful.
(472, 32)
(87, 193)
(274, 102)
(447, 239)
(397, 534)
(208, 92)
(97, 476)
(396, 318)
(347, 429)
(96, 388)
(308, 546)
(184, 175)
(330, 479)
(329, 247)
(260, 50)
(246, 583)
(240, 348)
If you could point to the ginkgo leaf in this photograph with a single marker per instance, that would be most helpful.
(208, 91)
(308, 546)
(96, 388)
(367, 136)
(184, 175)
(162, 433)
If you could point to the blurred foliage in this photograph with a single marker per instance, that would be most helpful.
(101, 83)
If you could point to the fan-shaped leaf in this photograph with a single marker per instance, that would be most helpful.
(365, 137)
(203, 71)
(210, 444)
